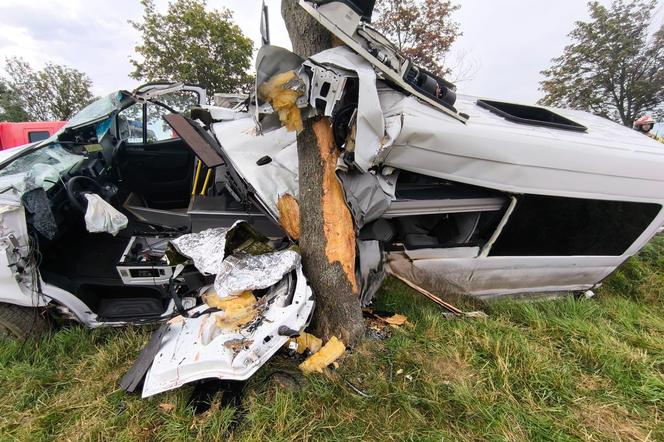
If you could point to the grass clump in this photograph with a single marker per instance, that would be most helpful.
(567, 369)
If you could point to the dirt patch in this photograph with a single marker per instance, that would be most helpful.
(588, 382)
(452, 369)
(610, 420)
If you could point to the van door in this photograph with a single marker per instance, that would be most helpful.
(152, 161)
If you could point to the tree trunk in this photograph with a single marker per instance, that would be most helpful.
(327, 234)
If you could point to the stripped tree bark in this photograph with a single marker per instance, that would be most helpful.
(326, 230)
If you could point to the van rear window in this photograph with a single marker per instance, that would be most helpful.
(533, 115)
(38, 135)
(556, 226)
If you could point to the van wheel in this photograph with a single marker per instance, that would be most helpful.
(21, 322)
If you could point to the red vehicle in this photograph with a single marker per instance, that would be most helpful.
(17, 134)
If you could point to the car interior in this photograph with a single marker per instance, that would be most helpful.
(147, 171)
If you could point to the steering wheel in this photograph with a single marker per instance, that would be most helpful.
(78, 187)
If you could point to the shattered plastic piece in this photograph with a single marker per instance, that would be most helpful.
(324, 357)
(282, 92)
(306, 341)
(371, 269)
(246, 272)
(100, 216)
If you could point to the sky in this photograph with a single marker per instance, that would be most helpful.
(505, 43)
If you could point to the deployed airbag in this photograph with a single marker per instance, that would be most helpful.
(102, 217)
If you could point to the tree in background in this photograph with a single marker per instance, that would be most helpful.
(192, 45)
(422, 29)
(614, 66)
(10, 105)
(55, 92)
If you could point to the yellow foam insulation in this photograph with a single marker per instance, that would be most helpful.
(307, 341)
(329, 353)
(337, 221)
(289, 215)
(282, 98)
(237, 310)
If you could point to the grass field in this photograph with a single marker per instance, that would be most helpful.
(589, 369)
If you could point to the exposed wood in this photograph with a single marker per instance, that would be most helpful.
(289, 215)
(337, 220)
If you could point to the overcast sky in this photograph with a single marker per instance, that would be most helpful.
(506, 42)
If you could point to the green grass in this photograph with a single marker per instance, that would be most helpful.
(551, 370)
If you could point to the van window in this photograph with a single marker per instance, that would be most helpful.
(556, 226)
(38, 135)
(533, 115)
(433, 213)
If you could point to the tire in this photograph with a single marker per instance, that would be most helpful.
(21, 322)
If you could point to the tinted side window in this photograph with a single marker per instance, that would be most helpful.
(38, 135)
(555, 226)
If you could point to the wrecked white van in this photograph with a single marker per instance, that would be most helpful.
(456, 193)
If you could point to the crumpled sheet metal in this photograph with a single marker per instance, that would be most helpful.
(246, 272)
(370, 137)
(235, 273)
(206, 248)
(368, 195)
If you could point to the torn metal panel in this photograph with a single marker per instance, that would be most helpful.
(368, 195)
(153, 90)
(372, 273)
(344, 23)
(244, 146)
(327, 88)
(606, 162)
(492, 276)
(195, 348)
(370, 136)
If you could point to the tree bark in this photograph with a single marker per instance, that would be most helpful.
(327, 234)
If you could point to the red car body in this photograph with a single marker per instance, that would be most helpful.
(17, 134)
